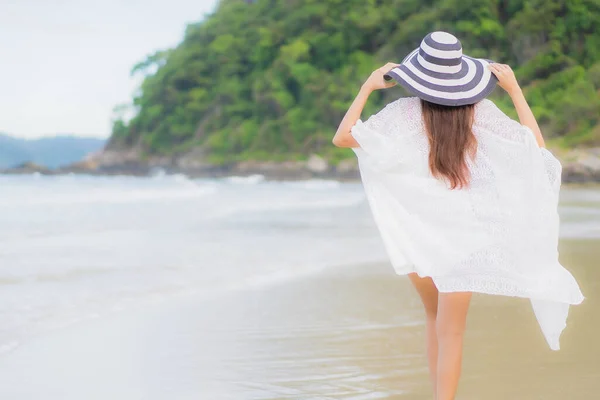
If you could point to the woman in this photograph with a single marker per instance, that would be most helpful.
(464, 197)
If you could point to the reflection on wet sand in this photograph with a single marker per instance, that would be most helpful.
(359, 335)
(346, 333)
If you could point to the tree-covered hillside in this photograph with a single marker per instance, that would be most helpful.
(271, 79)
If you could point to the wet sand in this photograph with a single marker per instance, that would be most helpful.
(344, 333)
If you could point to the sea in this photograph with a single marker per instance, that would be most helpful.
(76, 247)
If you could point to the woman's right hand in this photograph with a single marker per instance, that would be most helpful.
(506, 77)
(376, 81)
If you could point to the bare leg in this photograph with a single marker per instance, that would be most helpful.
(429, 296)
(451, 322)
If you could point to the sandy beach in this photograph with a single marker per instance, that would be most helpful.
(203, 200)
(352, 333)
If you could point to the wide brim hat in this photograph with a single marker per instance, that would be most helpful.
(438, 72)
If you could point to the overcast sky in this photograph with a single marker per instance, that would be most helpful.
(64, 64)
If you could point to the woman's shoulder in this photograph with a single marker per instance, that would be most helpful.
(487, 111)
(400, 110)
(487, 107)
(403, 105)
(490, 119)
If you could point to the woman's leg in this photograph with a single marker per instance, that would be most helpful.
(429, 297)
(450, 327)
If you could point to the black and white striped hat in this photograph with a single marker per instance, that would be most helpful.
(437, 71)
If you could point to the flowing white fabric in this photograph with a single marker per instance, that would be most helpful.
(498, 236)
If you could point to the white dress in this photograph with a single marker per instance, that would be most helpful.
(498, 236)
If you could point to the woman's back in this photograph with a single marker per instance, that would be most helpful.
(498, 235)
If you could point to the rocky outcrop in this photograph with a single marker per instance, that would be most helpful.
(581, 165)
(316, 164)
(194, 164)
(347, 169)
(126, 161)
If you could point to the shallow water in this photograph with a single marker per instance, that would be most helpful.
(347, 333)
(75, 247)
(291, 295)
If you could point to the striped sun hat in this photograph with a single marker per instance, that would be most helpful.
(437, 71)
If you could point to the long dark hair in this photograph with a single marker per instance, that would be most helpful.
(451, 141)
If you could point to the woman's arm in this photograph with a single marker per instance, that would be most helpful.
(507, 81)
(526, 116)
(343, 137)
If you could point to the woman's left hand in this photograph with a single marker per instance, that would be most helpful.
(376, 81)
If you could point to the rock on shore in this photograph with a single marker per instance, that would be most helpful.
(581, 165)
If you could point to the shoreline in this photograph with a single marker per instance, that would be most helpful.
(579, 166)
(270, 171)
(572, 173)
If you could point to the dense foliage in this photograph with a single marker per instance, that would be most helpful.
(271, 79)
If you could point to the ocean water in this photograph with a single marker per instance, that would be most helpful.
(79, 247)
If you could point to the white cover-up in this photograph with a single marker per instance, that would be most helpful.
(498, 236)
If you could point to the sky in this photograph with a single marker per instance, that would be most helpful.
(64, 64)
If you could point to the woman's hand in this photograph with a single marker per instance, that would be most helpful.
(376, 81)
(343, 136)
(506, 78)
(508, 82)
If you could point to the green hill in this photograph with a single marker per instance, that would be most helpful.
(271, 79)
